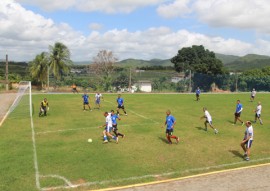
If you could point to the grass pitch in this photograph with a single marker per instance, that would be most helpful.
(65, 159)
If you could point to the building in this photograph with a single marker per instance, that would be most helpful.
(144, 86)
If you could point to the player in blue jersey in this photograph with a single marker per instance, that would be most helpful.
(85, 98)
(170, 122)
(198, 92)
(114, 124)
(237, 114)
(120, 104)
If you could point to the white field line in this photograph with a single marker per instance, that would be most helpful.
(78, 129)
(70, 185)
(35, 154)
(142, 116)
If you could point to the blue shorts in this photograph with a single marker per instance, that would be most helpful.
(85, 103)
(248, 143)
(98, 101)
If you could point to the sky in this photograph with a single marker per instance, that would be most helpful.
(139, 29)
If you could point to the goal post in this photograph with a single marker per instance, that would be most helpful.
(24, 90)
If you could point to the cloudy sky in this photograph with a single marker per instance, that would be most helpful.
(140, 29)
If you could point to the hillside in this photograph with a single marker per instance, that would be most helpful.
(141, 63)
(248, 62)
(225, 59)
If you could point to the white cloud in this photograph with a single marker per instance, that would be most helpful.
(24, 34)
(95, 26)
(107, 6)
(178, 8)
(246, 14)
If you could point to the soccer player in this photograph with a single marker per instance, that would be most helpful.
(258, 112)
(208, 119)
(114, 124)
(237, 114)
(170, 122)
(108, 128)
(44, 107)
(98, 97)
(85, 98)
(253, 94)
(198, 92)
(247, 141)
(120, 104)
(74, 88)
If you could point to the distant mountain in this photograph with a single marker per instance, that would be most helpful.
(141, 63)
(225, 59)
(248, 62)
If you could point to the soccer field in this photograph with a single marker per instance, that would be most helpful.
(64, 158)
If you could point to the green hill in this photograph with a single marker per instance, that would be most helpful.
(248, 62)
(141, 63)
(225, 59)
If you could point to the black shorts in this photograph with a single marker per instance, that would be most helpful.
(257, 115)
(115, 127)
(121, 107)
(252, 96)
(237, 114)
(197, 95)
(169, 131)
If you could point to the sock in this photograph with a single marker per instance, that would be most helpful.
(120, 134)
(169, 139)
(105, 138)
(174, 137)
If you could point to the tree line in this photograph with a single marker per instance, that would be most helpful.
(199, 66)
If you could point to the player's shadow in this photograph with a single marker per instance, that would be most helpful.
(236, 153)
(200, 128)
(163, 139)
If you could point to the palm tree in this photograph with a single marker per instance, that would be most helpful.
(39, 68)
(59, 59)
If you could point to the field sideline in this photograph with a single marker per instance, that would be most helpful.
(66, 160)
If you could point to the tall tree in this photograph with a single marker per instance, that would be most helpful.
(39, 68)
(103, 65)
(197, 59)
(59, 59)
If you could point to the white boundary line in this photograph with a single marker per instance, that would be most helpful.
(70, 185)
(78, 129)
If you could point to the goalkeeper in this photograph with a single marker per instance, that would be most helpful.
(44, 107)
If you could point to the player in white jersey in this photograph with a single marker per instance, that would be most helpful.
(253, 94)
(208, 119)
(98, 97)
(108, 128)
(258, 112)
(247, 141)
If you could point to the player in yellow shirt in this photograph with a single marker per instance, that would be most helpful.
(44, 107)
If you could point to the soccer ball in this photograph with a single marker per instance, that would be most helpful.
(90, 140)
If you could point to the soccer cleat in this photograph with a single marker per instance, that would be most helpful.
(123, 136)
(247, 158)
(116, 140)
(126, 114)
(243, 123)
(91, 110)
(216, 131)
(105, 141)
(177, 140)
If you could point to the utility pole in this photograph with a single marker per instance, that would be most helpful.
(189, 80)
(6, 72)
(48, 79)
(236, 82)
(129, 84)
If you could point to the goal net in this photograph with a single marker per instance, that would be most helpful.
(16, 105)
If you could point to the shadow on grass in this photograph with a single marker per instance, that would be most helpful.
(163, 140)
(236, 153)
(200, 128)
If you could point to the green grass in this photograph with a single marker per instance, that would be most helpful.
(63, 150)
